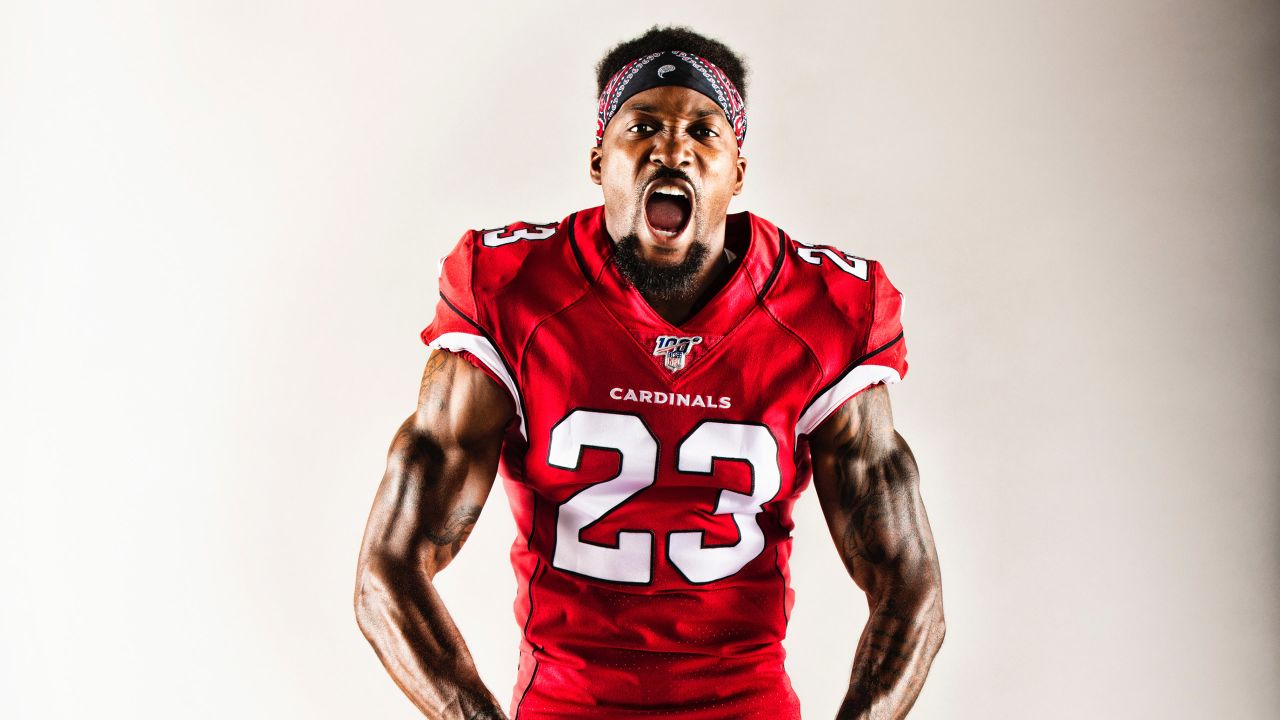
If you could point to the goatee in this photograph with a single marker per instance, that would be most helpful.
(659, 282)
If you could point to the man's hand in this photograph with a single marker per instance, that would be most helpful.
(869, 489)
(439, 471)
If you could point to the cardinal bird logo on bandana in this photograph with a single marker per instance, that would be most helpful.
(673, 349)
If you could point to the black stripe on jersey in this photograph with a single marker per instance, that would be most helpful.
(848, 370)
(534, 647)
(777, 264)
(528, 687)
(777, 567)
(577, 253)
(470, 322)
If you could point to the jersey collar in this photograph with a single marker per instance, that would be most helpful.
(749, 283)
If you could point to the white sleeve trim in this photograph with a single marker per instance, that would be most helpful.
(480, 346)
(854, 382)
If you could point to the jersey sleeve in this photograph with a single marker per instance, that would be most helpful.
(879, 357)
(885, 346)
(458, 323)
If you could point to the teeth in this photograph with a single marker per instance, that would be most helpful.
(672, 191)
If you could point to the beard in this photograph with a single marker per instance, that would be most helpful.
(660, 282)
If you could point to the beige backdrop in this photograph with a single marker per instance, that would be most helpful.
(220, 223)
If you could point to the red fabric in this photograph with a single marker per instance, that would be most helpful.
(581, 342)
(459, 313)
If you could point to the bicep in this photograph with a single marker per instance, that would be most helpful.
(868, 485)
(440, 467)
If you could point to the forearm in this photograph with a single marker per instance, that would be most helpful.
(409, 627)
(898, 644)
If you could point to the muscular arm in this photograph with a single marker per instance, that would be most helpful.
(439, 471)
(869, 489)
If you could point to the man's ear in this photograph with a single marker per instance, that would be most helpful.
(742, 174)
(596, 156)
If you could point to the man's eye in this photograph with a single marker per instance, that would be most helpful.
(705, 132)
(641, 128)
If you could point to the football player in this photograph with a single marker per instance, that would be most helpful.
(657, 380)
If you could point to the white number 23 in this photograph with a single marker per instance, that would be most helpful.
(632, 560)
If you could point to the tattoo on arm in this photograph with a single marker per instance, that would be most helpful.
(868, 484)
(456, 528)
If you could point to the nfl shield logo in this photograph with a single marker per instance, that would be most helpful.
(674, 348)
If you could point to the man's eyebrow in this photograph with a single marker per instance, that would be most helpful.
(646, 108)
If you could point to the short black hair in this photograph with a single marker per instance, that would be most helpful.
(658, 39)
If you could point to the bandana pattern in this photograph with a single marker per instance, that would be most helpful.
(711, 81)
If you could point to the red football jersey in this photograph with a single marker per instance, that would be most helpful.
(652, 468)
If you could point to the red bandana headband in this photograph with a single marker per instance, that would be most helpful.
(672, 67)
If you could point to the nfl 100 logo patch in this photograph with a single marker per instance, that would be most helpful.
(673, 349)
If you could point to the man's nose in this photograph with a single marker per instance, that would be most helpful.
(672, 148)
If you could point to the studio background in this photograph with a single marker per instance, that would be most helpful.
(220, 223)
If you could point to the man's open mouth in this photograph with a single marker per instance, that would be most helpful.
(668, 206)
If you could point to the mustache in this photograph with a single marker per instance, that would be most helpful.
(669, 173)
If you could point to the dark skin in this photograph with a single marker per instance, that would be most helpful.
(440, 469)
(677, 128)
(443, 460)
(869, 489)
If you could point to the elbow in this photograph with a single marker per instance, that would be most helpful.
(931, 615)
(372, 595)
(386, 585)
(935, 619)
(917, 599)
(938, 630)
(364, 603)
